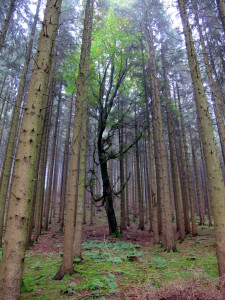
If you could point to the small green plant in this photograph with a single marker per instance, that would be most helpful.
(158, 262)
(37, 266)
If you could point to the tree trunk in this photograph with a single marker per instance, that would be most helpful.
(138, 180)
(6, 23)
(82, 82)
(198, 187)
(160, 150)
(216, 100)
(221, 8)
(49, 190)
(174, 167)
(15, 124)
(152, 184)
(187, 163)
(65, 170)
(80, 205)
(40, 193)
(216, 183)
(26, 162)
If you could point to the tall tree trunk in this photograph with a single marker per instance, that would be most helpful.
(26, 162)
(127, 196)
(183, 181)
(15, 124)
(216, 183)
(122, 196)
(80, 205)
(197, 184)
(160, 150)
(49, 190)
(65, 170)
(187, 163)
(138, 180)
(82, 83)
(208, 200)
(174, 166)
(152, 184)
(40, 193)
(216, 100)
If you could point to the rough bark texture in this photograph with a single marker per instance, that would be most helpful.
(216, 184)
(43, 158)
(212, 83)
(15, 124)
(26, 162)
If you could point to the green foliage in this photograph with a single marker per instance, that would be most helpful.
(106, 268)
(111, 251)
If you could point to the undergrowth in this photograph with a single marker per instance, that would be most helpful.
(111, 268)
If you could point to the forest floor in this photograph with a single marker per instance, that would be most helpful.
(131, 267)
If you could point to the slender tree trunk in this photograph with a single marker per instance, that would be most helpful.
(187, 163)
(127, 196)
(49, 190)
(174, 167)
(197, 184)
(80, 112)
(65, 170)
(6, 23)
(40, 193)
(208, 200)
(122, 196)
(4, 120)
(216, 183)
(26, 162)
(160, 150)
(221, 8)
(80, 207)
(138, 180)
(81, 187)
(152, 184)
(15, 125)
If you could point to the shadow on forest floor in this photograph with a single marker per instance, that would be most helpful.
(127, 268)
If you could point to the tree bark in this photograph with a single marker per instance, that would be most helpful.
(216, 183)
(26, 162)
(15, 124)
(82, 82)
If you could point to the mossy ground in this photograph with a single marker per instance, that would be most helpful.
(113, 266)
